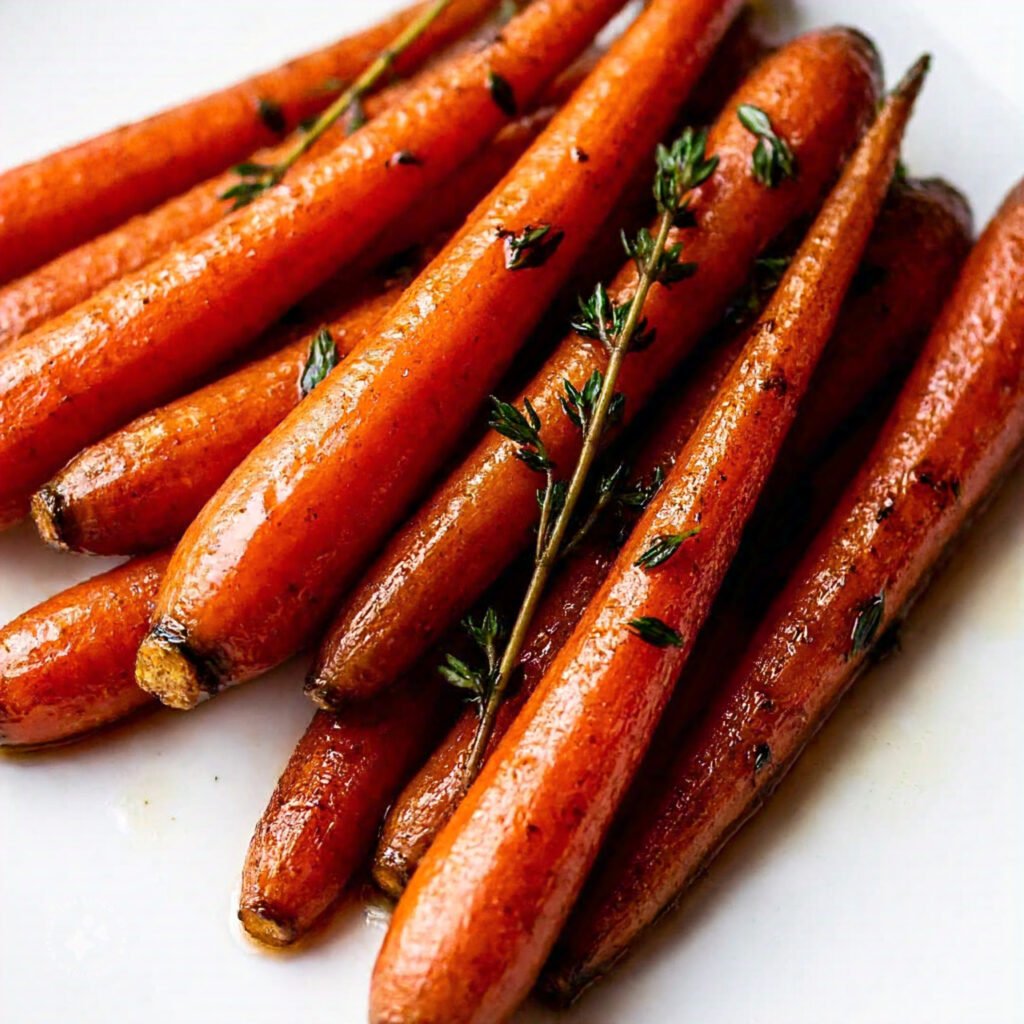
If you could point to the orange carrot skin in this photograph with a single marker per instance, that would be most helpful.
(247, 588)
(61, 200)
(324, 814)
(140, 487)
(910, 264)
(79, 273)
(67, 665)
(957, 426)
(819, 91)
(134, 344)
(471, 933)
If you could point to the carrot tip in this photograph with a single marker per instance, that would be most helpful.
(910, 85)
(48, 512)
(264, 927)
(166, 668)
(320, 692)
(561, 988)
(390, 877)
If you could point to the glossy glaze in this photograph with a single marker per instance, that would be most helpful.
(322, 819)
(63, 199)
(67, 665)
(958, 424)
(141, 340)
(820, 90)
(470, 936)
(913, 257)
(263, 565)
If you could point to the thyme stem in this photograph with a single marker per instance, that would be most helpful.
(548, 554)
(261, 177)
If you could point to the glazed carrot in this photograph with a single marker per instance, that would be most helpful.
(909, 266)
(325, 811)
(246, 590)
(819, 91)
(135, 344)
(957, 426)
(74, 276)
(63, 199)
(67, 665)
(471, 933)
(138, 488)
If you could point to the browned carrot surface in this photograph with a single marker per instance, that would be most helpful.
(957, 426)
(61, 200)
(134, 344)
(138, 488)
(818, 90)
(67, 665)
(261, 567)
(910, 264)
(74, 276)
(471, 933)
(325, 811)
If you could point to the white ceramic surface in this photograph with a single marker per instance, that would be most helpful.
(885, 882)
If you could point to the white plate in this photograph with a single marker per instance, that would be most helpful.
(883, 884)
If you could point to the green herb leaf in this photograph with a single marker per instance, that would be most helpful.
(773, 160)
(404, 158)
(502, 93)
(662, 548)
(655, 632)
(639, 496)
(272, 115)
(762, 756)
(865, 626)
(508, 421)
(681, 167)
(323, 357)
(460, 675)
(531, 247)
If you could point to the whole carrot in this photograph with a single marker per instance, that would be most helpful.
(909, 266)
(325, 811)
(819, 91)
(67, 665)
(134, 344)
(247, 588)
(471, 933)
(61, 200)
(957, 427)
(138, 488)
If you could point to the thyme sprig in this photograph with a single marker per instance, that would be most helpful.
(773, 160)
(257, 177)
(680, 169)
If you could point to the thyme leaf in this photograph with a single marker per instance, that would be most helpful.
(663, 547)
(655, 632)
(531, 247)
(869, 617)
(502, 93)
(772, 160)
(323, 357)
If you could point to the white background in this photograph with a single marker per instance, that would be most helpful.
(884, 883)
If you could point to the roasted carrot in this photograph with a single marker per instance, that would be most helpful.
(325, 811)
(819, 91)
(49, 205)
(138, 488)
(74, 276)
(471, 933)
(246, 589)
(957, 426)
(910, 264)
(67, 665)
(135, 344)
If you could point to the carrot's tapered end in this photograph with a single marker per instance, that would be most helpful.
(391, 877)
(262, 925)
(910, 84)
(167, 668)
(47, 509)
(321, 693)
